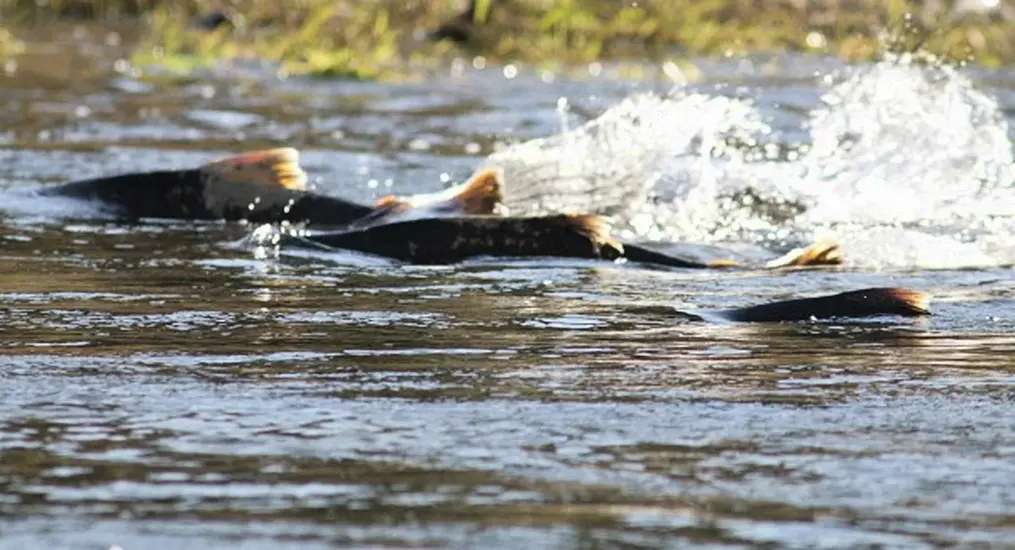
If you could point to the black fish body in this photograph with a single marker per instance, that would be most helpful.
(450, 240)
(196, 195)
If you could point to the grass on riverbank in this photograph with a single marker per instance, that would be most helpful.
(9, 45)
(372, 39)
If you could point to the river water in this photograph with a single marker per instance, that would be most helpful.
(171, 385)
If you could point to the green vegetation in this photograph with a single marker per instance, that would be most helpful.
(381, 38)
(9, 45)
(320, 37)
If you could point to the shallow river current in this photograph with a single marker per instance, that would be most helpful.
(181, 385)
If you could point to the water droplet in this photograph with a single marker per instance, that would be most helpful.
(673, 72)
(458, 67)
(816, 40)
(419, 144)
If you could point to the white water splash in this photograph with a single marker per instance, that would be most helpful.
(909, 166)
(611, 163)
(925, 145)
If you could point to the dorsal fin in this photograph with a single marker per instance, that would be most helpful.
(270, 167)
(596, 228)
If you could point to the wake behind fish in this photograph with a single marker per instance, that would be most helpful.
(909, 165)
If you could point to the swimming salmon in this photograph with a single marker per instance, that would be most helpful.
(262, 187)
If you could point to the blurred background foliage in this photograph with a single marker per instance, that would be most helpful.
(375, 39)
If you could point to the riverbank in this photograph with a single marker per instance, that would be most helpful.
(378, 39)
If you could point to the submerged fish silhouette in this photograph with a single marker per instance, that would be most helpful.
(869, 302)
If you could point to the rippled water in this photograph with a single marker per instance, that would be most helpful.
(171, 384)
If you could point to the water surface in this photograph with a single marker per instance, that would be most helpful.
(167, 385)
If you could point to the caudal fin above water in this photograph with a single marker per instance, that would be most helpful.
(847, 305)
(646, 255)
(821, 253)
(481, 194)
(270, 167)
(478, 196)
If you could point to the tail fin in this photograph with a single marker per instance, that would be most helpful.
(855, 304)
(820, 253)
(478, 196)
(271, 167)
(481, 194)
(637, 253)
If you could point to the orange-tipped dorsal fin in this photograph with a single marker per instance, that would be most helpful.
(270, 167)
(595, 228)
